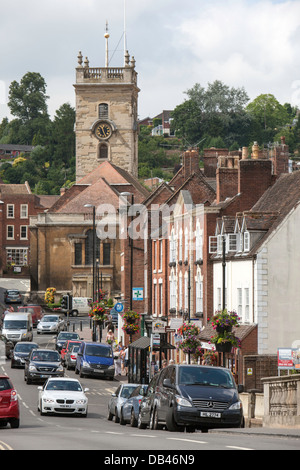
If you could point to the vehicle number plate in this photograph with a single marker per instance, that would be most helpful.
(210, 414)
(65, 406)
(99, 371)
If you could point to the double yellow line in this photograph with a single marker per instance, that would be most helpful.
(4, 446)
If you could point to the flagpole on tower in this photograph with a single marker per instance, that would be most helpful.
(125, 41)
(106, 35)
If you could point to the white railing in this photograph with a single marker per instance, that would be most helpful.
(282, 401)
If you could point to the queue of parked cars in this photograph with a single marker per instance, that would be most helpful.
(181, 397)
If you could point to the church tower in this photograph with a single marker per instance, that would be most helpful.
(106, 115)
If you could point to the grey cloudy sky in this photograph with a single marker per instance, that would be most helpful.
(176, 43)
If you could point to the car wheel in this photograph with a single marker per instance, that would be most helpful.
(172, 426)
(122, 421)
(81, 374)
(154, 424)
(110, 415)
(117, 419)
(14, 423)
(141, 425)
(133, 420)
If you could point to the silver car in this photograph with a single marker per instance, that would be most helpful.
(50, 324)
(117, 399)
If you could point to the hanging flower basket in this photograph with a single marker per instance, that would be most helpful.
(225, 347)
(130, 328)
(223, 321)
(190, 343)
(98, 312)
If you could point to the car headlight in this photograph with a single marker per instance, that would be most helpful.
(111, 367)
(32, 368)
(24, 335)
(236, 406)
(182, 401)
(85, 364)
(81, 402)
(48, 400)
(60, 369)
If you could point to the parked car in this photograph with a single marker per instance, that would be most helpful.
(36, 312)
(117, 399)
(130, 408)
(63, 337)
(12, 296)
(21, 352)
(196, 397)
(50, 324)
(63, 396)
(42, 364)
(96, 360)
(66, 347)
(9, 403)
(147, 404)
(71, 356)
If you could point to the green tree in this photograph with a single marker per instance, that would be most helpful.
(267, 112)
(27, 102)
(218, 111)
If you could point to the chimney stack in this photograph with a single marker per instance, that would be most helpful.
(190, 162)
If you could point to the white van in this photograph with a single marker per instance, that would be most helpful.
(80, 305)
(18, 327)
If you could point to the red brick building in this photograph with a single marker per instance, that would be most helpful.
(16, 206)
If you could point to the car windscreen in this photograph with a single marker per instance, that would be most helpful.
(49, 319)
(5, 384)
(64, 385)
(45, 356)
(15, 324)
(99, 351)
(24, 348)
(205, 376)
(67, 336)
(127, 391)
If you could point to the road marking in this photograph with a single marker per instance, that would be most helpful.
(185, 440)
(4, 446)
(238, 448)
(116, 433)
(142, 435)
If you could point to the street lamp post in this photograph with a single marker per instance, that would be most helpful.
(94, 260)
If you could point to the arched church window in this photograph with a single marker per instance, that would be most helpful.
(103, 110)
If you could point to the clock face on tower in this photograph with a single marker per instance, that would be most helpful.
(103, 130)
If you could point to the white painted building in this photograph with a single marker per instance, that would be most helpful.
(263, 265)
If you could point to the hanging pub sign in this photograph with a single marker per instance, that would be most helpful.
(159, 327)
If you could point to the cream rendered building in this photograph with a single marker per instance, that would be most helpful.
(106, 116)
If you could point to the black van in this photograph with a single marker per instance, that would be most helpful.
(197, 397)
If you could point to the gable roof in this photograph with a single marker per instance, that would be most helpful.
(95, 194)
(117, 176)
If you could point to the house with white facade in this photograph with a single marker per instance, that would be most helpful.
(262, 269)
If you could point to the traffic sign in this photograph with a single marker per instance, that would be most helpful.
(119, 307)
